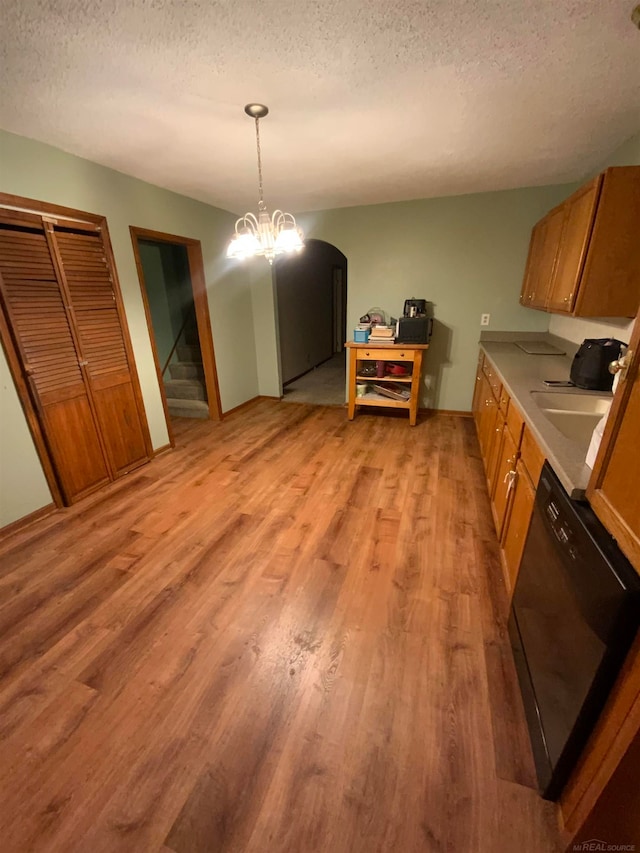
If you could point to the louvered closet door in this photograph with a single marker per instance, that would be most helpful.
(97, 320)
(45, 344)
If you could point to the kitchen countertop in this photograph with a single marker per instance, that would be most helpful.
(521, 374)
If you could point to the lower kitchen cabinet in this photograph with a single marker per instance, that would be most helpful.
(512, 462)
(504, 479)
(517, 526)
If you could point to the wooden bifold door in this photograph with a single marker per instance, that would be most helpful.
(66, 325)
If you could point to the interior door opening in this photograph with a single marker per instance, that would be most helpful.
(312, 323)
(171, 276)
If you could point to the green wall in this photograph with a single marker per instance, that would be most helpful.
(37, 171)
(466, 254)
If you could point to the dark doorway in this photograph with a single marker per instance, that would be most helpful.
(172, 281)
(312, 307)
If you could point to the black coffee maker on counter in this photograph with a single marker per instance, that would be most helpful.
(590, 367)
(416, 324)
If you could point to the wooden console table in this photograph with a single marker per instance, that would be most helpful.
(410, 353)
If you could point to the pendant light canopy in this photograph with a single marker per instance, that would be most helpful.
(264, 234)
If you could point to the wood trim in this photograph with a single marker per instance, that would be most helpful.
(163, 449)
(162, 236)
(45, 208)
(203, 318)
(244, 405)
(20, 523)
(250, 402)
(459, 413)
(28, 406)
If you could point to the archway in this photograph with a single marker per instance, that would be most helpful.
(311, 291)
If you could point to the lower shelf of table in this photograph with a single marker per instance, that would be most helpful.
(379, 400)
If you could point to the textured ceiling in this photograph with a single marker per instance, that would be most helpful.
(370, 101)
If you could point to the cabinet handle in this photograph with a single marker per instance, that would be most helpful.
(366, 353)
(511, 477)
(401, 355)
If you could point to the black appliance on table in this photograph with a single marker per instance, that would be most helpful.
(574, 614)
(416, 324)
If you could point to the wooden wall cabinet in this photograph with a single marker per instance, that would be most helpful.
(584, 255)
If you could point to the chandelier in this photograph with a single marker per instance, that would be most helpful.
(264, 235)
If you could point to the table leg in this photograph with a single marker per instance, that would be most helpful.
(353, 360)
(415, 387)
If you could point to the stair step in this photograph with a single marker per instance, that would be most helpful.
(185, 389)
(189, 352)
(187, 408)
(186, 370)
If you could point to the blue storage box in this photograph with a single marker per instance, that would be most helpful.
(361, 336)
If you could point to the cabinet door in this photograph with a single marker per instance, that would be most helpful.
(505, 479)
(610, 285)
(491, 466)
(613, 490)
(48, 350)
(517, 524)
(580, 214)
(554, 222)
(100, 325)
(533, 263)
(487, 420)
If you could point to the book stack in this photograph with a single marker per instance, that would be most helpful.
(382, 334)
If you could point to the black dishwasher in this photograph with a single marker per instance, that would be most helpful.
(574, 614)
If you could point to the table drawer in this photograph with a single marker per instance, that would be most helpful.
(383, 354)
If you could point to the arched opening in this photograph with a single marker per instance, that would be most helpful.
(311, 291)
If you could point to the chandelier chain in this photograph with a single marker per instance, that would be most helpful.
(260, 191)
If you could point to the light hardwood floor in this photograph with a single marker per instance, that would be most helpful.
(286, 635)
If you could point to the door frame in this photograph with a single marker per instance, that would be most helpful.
(23, 207)
(203, 318)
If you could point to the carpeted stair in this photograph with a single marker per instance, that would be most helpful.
(185, 390)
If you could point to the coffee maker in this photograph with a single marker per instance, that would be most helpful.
(416, 324)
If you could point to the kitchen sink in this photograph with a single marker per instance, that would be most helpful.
(574, 415)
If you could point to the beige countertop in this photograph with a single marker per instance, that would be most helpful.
(521, 374)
